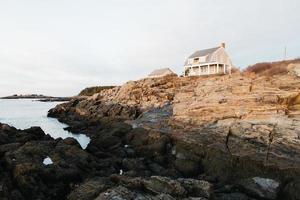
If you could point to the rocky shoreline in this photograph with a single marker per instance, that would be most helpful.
(227, 150)
(41, 98)
(222, 137)
(119, 163)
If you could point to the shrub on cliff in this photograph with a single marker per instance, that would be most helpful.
(271, 68)
(93, 90)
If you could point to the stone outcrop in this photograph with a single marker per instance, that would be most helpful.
(236, 97)
(156, 187)
(121, 170)
(223, 129)
(23, 174)
(294, 69)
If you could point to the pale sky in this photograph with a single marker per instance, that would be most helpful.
(58, 47)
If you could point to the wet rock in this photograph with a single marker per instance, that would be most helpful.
(106, 143)
(292, 190)
(187, 167)
(164, 197)
(159, 185)
(71, 141)
(16, 195)
(233, 196)
(157, 169)
(90, 189)
(260, 187)
(28, 177)
(150, 144)
(138, 137)
(120, 129)
(11, 135)
(153, 149)
(8, 147)
(197, 188)
(118, 193)
(133, 164)
(133, 183)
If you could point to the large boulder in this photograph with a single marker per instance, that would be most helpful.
(150, 144)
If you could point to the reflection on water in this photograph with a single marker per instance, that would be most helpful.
(25, 113)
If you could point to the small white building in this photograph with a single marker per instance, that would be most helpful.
(161, 72)
(208, 61)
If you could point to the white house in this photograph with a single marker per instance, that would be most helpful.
(208, 61)
(161, 72)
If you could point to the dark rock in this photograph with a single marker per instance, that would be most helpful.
(197, 188)
(164, 197)
(133, 164)
(138, 137)
(90, 189)
(134, 183)
(26, 175)
(292, 190)
(232, 196)
(71, 141)
(120, 129)
(118, 193)
(260, 187)
(16, 195)
(8, 147)
(165, 185)
(188, 168)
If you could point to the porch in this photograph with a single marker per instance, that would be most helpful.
(206, 69)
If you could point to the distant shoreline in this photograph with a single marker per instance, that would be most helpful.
(41, 98)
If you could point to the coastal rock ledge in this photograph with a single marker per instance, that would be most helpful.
(215, 137)
(220, 129)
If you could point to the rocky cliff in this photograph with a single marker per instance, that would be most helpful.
(226, 129)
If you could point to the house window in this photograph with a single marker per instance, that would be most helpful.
(196, 60)
(203, 69)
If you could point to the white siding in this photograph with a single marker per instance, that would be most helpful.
(221, 56)
(202, 59)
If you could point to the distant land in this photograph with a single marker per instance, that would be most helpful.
(39, 97)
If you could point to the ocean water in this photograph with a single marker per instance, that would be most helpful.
(25, 113)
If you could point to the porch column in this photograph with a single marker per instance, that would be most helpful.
(224, 68)
(208, 70)
(217, 67)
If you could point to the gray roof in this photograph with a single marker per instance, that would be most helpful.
(203, 52)
(200, 53)
(163, 71)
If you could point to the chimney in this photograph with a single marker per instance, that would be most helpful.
(223, 45)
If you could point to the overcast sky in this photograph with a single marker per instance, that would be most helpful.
(58, 47)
